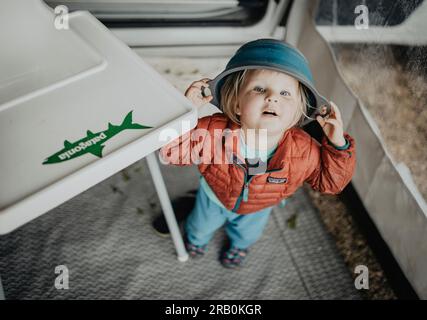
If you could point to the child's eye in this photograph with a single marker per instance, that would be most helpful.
(285, 93)
(259, 89)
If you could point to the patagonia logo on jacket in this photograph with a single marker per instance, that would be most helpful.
(276, 180)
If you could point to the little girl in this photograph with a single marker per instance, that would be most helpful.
(264, 93)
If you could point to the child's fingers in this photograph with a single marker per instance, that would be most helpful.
(201, 87)
(196, 96)
(334, 122)
(200, 83)
(208, 98)
(201, 92)
(335, 111)
(197, 92)
(194, 89)
(323, 121)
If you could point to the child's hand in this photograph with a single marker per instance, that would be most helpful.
(332, 126)
(194, 93)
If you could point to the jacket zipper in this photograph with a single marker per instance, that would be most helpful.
(244, 194)
(239, 199)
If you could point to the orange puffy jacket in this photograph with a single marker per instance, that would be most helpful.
(298, 158)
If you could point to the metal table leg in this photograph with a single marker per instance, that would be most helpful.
(166, 206)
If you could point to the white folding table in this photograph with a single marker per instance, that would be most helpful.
(76, 106)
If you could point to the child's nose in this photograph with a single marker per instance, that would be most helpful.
(272, 99)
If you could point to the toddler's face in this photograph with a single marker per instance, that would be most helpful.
(268, 100)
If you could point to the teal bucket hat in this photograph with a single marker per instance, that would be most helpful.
(274, 55)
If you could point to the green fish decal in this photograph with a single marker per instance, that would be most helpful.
(93, 142)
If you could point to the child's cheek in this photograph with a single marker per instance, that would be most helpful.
(250, 105)
(257, 102)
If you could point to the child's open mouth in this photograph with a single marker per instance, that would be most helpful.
(269, 113)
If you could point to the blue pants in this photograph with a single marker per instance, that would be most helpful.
(207, 217)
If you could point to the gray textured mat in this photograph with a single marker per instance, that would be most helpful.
(105, 239)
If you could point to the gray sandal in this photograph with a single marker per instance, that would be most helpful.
(234, 257)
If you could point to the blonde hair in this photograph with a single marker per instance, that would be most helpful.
(230, 93)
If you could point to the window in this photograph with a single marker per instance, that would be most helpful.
(170, 13)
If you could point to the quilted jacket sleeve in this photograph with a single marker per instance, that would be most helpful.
(330, 169)
(189, 148)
